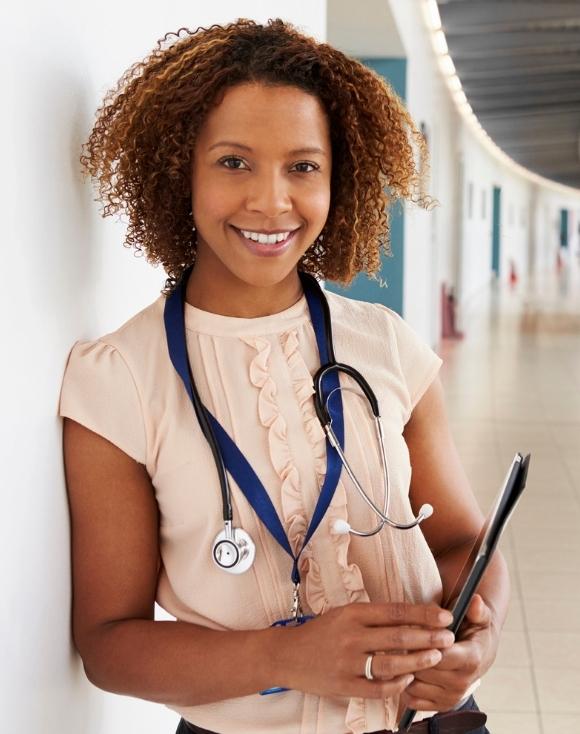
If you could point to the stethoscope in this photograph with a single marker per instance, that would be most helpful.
(233, 549)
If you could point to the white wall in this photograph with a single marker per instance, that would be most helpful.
(451, 244)
(448, 245)
(482, 173)
(390, 30)
(425, 255)
(547, 215)
(66, 276)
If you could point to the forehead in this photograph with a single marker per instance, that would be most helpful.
(268, 115)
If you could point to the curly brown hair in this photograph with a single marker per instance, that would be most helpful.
(140, 148)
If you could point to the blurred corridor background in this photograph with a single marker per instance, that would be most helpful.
(490, 278)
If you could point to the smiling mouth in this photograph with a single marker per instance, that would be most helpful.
(262, 238)
(265, 248)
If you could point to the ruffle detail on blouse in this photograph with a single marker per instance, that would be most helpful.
(361, 710)
(356, 715)
(302, 381)
(304, 389)
(351, 573)
(355, 718)
(294, 514)
(314, 593)
(312, 581)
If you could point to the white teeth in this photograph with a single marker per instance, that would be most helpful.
(265, 239)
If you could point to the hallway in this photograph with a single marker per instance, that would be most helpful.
(513, 384)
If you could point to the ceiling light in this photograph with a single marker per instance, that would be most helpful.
(440, 43)
(446, 65)
(433, 17)
(454, 83)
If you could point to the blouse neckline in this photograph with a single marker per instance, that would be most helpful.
(207, 322)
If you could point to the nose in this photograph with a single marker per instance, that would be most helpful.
(268, 194)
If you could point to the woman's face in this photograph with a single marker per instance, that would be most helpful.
(261, 164)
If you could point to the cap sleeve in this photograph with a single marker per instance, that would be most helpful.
(98, 390)
(418, 363)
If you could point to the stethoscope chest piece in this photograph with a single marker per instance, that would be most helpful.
(233, 550)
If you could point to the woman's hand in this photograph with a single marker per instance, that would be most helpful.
(327, 655)
(443, 686)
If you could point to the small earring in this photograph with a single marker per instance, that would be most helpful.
(193, 227)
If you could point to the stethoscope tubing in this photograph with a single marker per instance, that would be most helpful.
(319, 308)
(209, 434)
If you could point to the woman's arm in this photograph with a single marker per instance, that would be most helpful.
(115, 558)
(115, 562)
(439, 479)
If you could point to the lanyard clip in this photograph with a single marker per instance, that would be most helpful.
(296, 609)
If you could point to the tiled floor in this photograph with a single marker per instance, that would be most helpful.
(513, 384)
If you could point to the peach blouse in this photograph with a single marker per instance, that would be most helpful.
(255, 376)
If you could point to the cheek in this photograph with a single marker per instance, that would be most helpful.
(317, 203)
(211, 202)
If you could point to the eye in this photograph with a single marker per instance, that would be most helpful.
(234, 158)
(307, 163)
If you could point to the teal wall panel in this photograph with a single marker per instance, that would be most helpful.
(496, 230)
(392, 268)
(563, 228)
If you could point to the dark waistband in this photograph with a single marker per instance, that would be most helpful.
(466, 719)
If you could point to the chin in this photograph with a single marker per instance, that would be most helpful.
(266, 277)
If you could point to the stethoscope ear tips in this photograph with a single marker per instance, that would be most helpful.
(341, 527)
(425, 511)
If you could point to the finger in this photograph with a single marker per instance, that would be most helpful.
(387, 667)
(421, 704)
(382, 615)
(447, 679)
(405, 638)
(431, 698)
(436, 677)
(478, 612)
(460, 656)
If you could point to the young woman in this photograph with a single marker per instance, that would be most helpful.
(247, 157)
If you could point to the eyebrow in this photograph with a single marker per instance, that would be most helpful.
(296, 151)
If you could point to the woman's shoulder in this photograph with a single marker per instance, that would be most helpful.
(373, 331)
(120, 356)
(138, 332)
(104, 385)
(363, 315)
(370, 316)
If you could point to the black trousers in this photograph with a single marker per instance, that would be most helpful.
(185, 727)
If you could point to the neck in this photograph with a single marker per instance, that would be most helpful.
(233, 297)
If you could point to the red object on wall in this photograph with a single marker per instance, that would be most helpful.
(513, 274)
(448, 327)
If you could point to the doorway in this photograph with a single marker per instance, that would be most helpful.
(564, 228)
(496, 231)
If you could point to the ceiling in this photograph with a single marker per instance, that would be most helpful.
(368, 34)
(519, 64)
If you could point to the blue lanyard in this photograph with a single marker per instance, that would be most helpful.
(235, 462)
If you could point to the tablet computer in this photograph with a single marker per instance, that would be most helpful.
(482, 552)
(487, 540)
